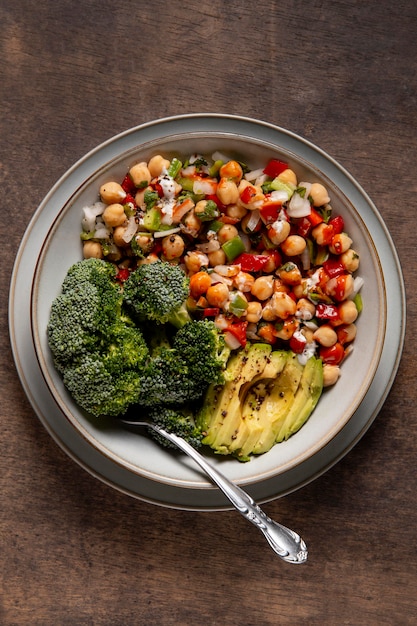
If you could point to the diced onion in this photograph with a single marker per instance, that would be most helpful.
(221, 322)
(218, 278)
(305, 258)
(227, 270)
(90, 215)
(298, 206)
(101, 231)
(204, 187)
(357, 285)
(279, 195)
(254, 174)
(231, 341)
(253, 220)
(130, 230)
(210, 246)
(218, 156)
(166, 233)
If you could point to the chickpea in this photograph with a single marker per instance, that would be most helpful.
(287, 330)
(112, 192)
(263, 287)
(319, 194)
(279, 231)
(114, 215)
(151, 258)
(217, 257)
(172, 247)
(305, 309)
(227, 232)
(250, 196)
(268, 313)
(92, 250)
(140, 174)
(299, 290)
(283, 305)
(195, 260)
(254, 312)
(288, 176)
(192, 223)
(325, 335)
(293, 245)
(348, 312)
(290, 274)
(157, 165)
(319, 233)
(227, 191)
(218, 295)
(340, 287)
(350, 260)
(140, 197)
(331, 374)
(199, 284)
(235, 211)
(340, 243)
(232, 171)
(145, 242)
(279, 285)
(272, 263)
(243, 281)
(346, 334)
(118, 233)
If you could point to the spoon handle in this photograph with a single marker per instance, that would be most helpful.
(285, 542)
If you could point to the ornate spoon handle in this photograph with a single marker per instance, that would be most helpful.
(285, 542)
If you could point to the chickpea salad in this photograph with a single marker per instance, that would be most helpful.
(267, 260)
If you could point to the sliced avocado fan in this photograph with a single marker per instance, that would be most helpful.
(267, 397)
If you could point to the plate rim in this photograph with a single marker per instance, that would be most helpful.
(353, 437)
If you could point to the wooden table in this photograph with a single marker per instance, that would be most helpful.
(343, 75)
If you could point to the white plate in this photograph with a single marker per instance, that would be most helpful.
(200, 495)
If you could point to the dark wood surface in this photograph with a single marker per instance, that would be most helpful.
(343, 75)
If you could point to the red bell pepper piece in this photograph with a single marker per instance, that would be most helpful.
(333, 267)
(122, 275)
(315, 218)
(333, 355)
(211, 311)
(269, 211)
(238, 330)
(338, 224)
(326, 311)
(275, 167)
(303, 227)
(251, 262)
(297, 343)
(128, 185)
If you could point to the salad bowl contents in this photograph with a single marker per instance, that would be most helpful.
(232, 283)
(218, 299)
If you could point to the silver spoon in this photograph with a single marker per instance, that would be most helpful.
(285, 542)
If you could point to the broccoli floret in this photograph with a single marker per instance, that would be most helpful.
(74, 319)
(94, 343)
(99, 391)
(158, 292)
(204, 350)
(182, 373)
(166, 379)
(177, 420)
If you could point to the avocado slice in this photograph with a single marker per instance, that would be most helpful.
(256, 405)
(221, 415)
(277, 404)
(305, 400)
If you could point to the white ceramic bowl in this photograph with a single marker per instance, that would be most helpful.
(135, 463)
